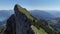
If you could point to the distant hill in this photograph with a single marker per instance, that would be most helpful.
(45, 13)
(39, 14)
(56, 13)
(4, 15)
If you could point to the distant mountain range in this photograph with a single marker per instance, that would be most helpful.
(4, 15)
(41, 14)
(56, 13)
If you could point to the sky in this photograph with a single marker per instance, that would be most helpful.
(31, 4)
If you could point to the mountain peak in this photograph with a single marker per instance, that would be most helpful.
(17, 5)
(24, 20)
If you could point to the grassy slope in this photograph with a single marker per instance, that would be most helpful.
(36, 22)
(38, 31)
(2, 30)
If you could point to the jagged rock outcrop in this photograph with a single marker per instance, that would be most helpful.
(18, 23)
(23, 24)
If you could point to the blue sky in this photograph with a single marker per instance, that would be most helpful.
(31, 4)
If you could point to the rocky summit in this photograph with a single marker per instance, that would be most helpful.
(23, 24)
(20, 23)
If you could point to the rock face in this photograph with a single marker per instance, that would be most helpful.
(10, 26)
(18, 23)
(23, 25)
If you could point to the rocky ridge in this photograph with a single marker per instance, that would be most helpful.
(21, 21)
